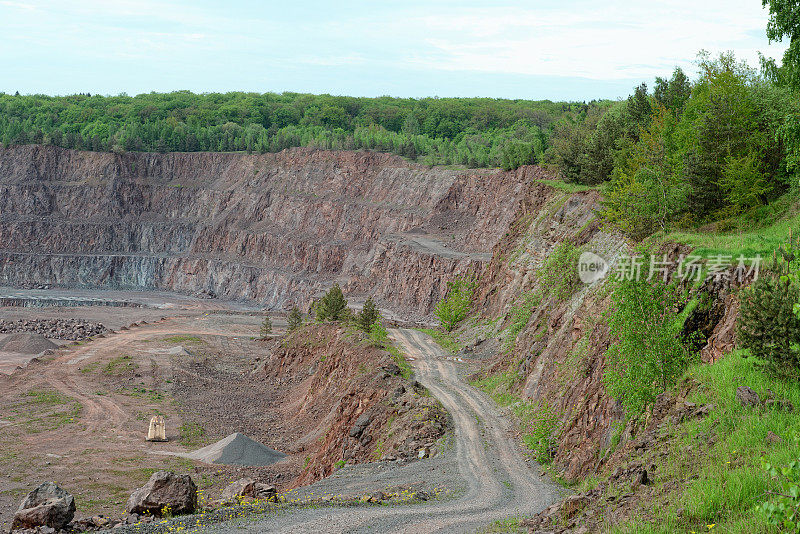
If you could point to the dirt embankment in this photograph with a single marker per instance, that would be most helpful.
(349, 401)
(272, 228)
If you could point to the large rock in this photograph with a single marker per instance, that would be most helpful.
(48, 505)
(164, 490)
(747, 397)
(247, 487)
(244, 487)
(359, 426)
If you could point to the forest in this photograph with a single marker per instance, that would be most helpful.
(476, 132)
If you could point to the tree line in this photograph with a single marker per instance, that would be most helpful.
(476, 132)
(687, 152)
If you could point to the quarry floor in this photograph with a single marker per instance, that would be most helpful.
(80, 418)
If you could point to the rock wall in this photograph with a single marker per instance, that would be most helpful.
(272, 228)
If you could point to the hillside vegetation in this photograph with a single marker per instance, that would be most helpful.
(477, 132)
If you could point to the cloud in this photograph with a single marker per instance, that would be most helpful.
(247, 42)
(610, 40)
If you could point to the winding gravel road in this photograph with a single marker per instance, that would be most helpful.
(497, 482)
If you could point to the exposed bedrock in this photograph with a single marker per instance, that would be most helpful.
(273, 228)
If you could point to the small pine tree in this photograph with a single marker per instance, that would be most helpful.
(369, 314)
(295, 319)
(768, 325)
(266, 327)
(332, 305)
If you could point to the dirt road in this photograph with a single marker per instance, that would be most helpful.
(497, 481)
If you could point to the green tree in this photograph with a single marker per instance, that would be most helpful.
(645, 193)
(646, 357)
(673, 93)
(455, 306)
(295, 319)
(266, 327)
(768, 324)
(368, 315)
(332, 305)
(784, 22)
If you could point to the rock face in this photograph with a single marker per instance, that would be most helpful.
(164, 489)
(273, 228)
(48, 505)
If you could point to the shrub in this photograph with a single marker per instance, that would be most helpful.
(369, 314)
(266, 326)
(541, 429)
(767, 323)
(647, 357)
(784, 512)
(559, 275)
(295, 319)
(454, 308)
(332, 305)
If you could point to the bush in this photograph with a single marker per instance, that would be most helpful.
(295, 319)
(454, 308)
(369, 314)
(647, 357)
(332, 305)
(768, 325)
(266, 326)
(784, 512)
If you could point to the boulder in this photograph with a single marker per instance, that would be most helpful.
(48, 505)
(247, 487)
(361, 423)
(265, 491)
(747, 397)
(165, 489)
(240, 488)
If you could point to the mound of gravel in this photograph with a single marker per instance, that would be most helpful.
(26, 343)
(237, 449)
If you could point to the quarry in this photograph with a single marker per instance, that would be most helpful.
(135, 288)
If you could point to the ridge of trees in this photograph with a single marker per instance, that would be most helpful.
(477, 132)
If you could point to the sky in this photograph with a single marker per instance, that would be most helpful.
(564, 50)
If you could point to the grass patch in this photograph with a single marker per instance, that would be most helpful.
(758, 233)
(446, 340)
(380, 337)
(566, 186)
(50, 410)
(144, 393)
(89, 368)
(539, 421)
(191, 434)
(510, 525)
(120, 365)
(715, 462)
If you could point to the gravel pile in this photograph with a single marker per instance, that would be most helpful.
(237, 449)
(70, 329)
(26, 343)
